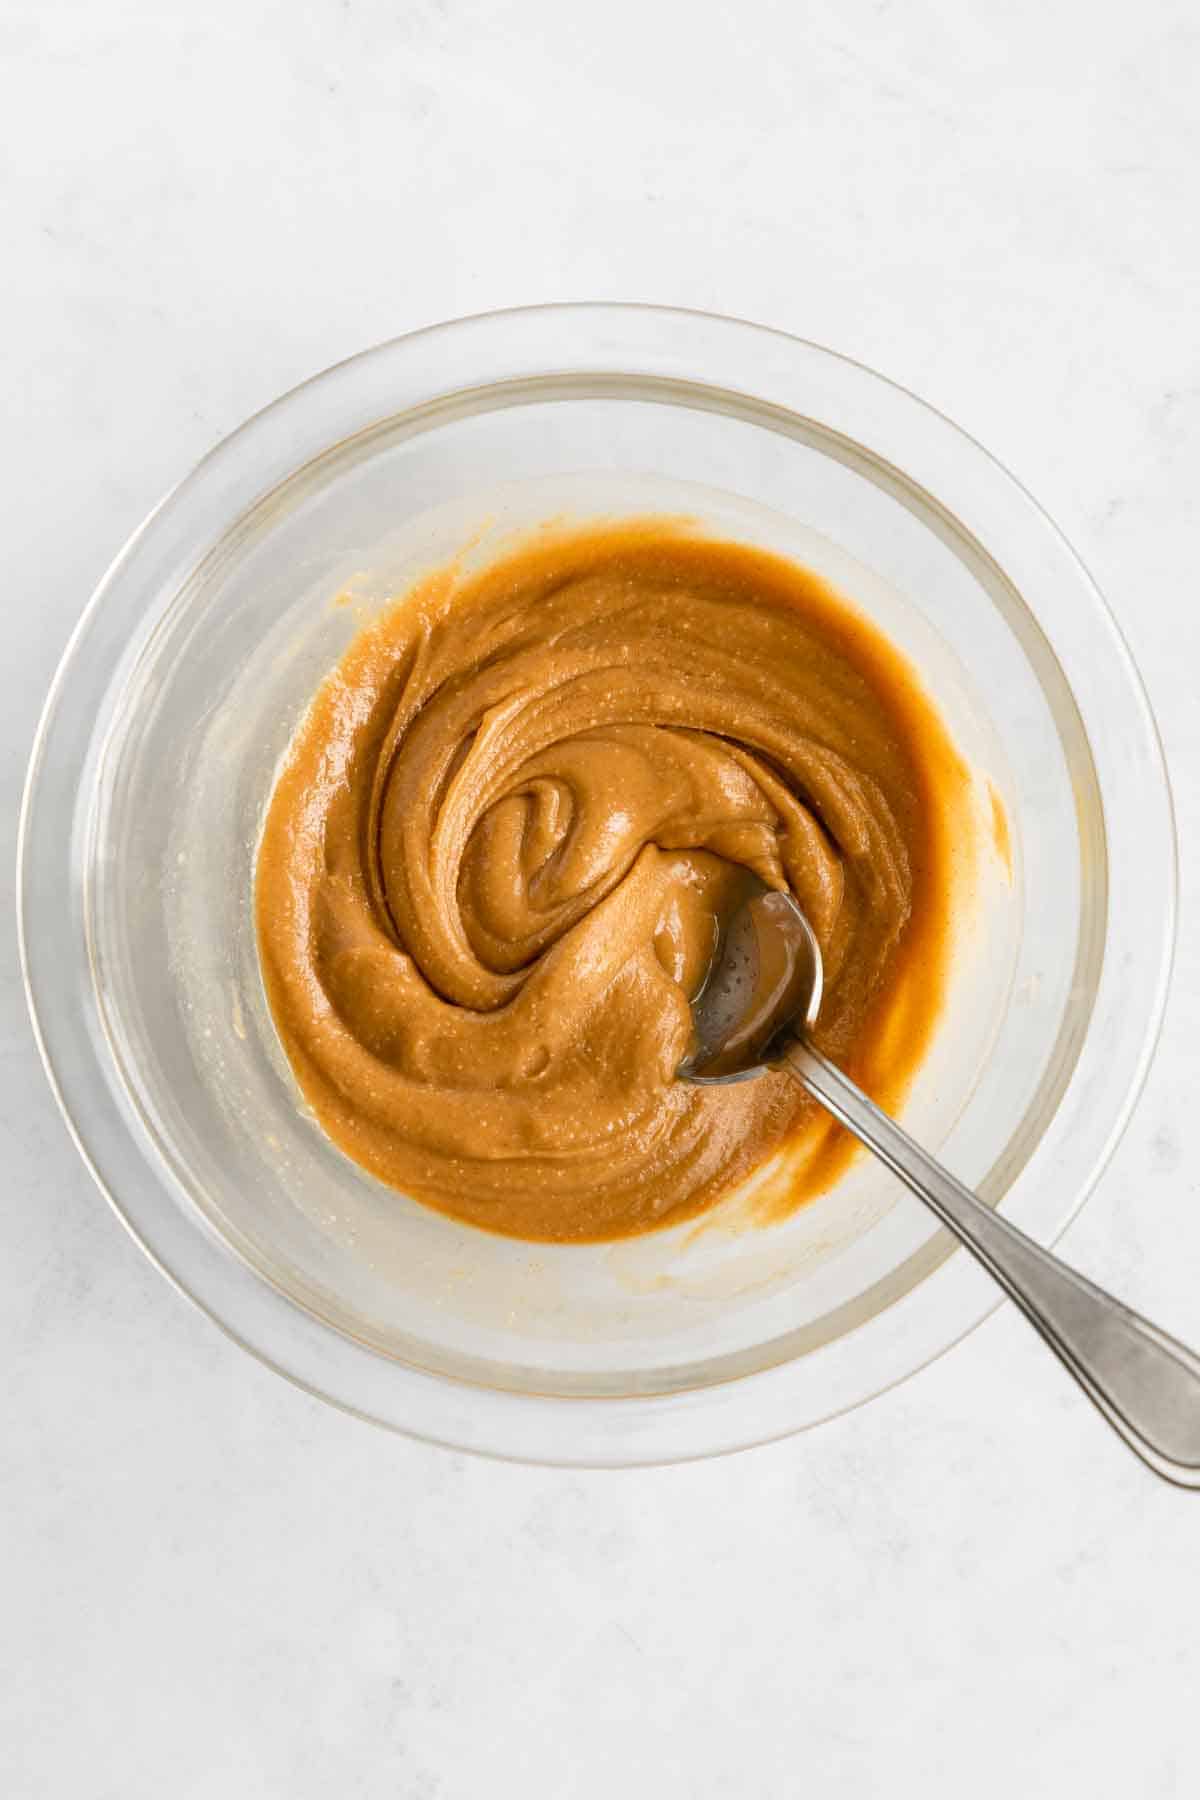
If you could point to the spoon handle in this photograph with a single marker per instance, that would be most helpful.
(1145, 1383)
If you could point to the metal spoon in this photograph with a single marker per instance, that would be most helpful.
(756, 1011)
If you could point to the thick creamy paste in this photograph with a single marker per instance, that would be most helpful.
(495, 857)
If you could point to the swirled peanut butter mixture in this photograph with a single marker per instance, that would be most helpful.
(497, 852)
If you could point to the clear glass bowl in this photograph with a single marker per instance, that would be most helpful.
(155, 758)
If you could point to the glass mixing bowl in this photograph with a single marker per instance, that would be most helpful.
(155, 758)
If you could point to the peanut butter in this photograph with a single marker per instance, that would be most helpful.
(496, 855)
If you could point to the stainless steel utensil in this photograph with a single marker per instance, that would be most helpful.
(756, 1012)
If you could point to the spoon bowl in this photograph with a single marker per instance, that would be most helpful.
(766, 975)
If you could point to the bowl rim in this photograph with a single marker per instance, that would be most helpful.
(484, 350)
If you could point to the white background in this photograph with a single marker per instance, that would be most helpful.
(211, 1585)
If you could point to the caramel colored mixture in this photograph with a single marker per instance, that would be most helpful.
(496, 854)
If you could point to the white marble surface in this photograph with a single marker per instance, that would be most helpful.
(211, 1585)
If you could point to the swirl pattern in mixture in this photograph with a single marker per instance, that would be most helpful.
(495, 858)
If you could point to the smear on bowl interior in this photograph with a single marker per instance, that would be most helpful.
(499, 847)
